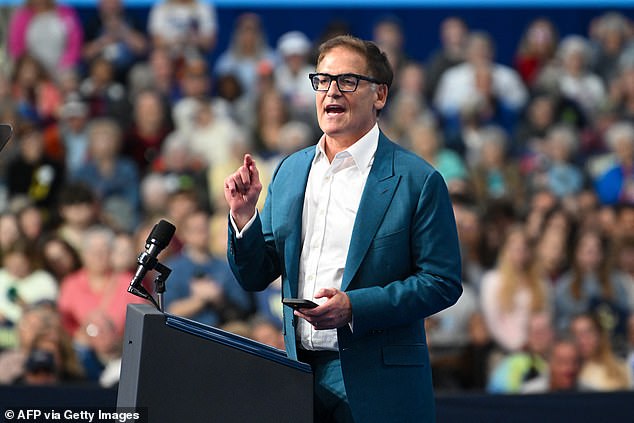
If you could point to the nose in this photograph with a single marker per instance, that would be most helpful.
(333, 91)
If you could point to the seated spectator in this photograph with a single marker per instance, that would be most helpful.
(453, 40)
(202, 287)
(33, 174)
(95, 286)
(538, 117)
(36, 96)
(78, 210)
(563, 371)
(616, 183)
(247, 49)
(290, 76)
(427, 143)
(150, 125)
(186, 28)
(518, 369)
(266, 332)
(601, 369)
(512, 292)
(536, 49)
(113, 178)
(104, 96)
(610, 36)
(22, 283)
(38, 324)
(49, 31)
(479, 78)
(494, 176)
(99, 348)
(59, 258)
(115, 35)
(592, 283)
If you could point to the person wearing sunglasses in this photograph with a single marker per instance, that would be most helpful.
(363, 228)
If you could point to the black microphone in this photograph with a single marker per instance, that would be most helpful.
(158, 239)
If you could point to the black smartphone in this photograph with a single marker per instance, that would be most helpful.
(297, 303)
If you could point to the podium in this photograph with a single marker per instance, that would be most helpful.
(184, 371)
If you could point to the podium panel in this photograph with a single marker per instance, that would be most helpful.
(183, 371)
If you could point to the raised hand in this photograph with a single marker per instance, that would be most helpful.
(242, 190)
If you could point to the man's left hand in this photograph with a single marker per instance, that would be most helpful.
(334, 313)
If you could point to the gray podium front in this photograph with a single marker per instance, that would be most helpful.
(183, 371)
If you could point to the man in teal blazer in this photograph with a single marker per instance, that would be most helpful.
(401, 264)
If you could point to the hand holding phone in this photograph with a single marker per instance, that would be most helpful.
(298, 303)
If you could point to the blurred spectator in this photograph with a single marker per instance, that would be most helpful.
(427, 143)
(553, 167)
(182, 169)
(78, 210)
(186, 28)
(157, 73)
(10, 230)
(67, 141)
(213, 138)
(616, 183)
(453, 40)
(512, 292)
(150, 125)
(291, 76)
(479, 357)
(574, 78)
(494, 177)
(621, 91)
(536, 49)
(124, 253)
(154, 195)
(563, 371)
(601, 369)
(539, 116)
(479, 80)
(517, 369)
(115, 35)
(104, 96)
(591, 285)
(266, 332)
(113, 178)
(271, 115)
(551, 253)
(23, 283)
(609, 34)
(59, 258)
(95, 286)
(49, 31)
(33, 174)
(247, 49)
(388, 35)
(99, 348)
(202, 287)
(35, 95)
(32, 221)
(195, 85)
(469, 225)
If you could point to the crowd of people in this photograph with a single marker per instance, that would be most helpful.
(120, 123)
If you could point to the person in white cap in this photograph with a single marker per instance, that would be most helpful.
(291, 75)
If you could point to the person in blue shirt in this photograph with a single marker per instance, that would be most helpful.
(201, 287)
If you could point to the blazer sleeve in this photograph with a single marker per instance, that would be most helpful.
(435, 279)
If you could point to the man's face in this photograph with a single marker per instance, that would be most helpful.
(564, 367)
(346, 117)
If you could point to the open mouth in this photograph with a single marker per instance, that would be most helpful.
(334, 109)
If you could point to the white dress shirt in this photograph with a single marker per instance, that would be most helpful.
(333, 193)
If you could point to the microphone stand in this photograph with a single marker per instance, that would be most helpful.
(159, 283)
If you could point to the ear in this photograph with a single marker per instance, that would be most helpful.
(381, 96)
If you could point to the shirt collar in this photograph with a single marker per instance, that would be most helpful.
(362, 151)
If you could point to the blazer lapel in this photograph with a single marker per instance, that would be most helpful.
(377, 195)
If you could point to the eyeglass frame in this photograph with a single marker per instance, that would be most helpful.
(335, 78)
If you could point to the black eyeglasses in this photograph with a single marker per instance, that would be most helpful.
(346, 82)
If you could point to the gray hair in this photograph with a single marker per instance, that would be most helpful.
(574, 44)
(617, 132)
(564, 135)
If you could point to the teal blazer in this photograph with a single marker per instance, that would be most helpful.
(403, 265)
